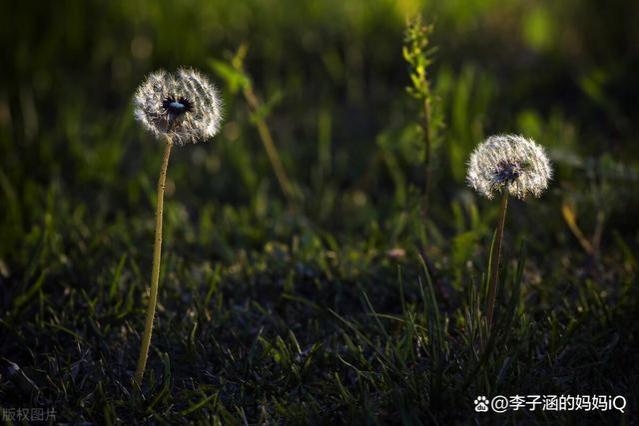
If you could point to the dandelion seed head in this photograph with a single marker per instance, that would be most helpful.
(509, 163)
(184, 106)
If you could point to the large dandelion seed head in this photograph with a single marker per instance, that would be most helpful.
(184, 107)
(509, 163)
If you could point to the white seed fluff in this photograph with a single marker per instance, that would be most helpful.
(185, 106)
(509, 162)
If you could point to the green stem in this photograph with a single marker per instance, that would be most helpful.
(269, 145)
(155, 274)
(427, 164)
(494, 261)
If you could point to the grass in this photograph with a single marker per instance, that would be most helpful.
(301, 324)
(348, 308)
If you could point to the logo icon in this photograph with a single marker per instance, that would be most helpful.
(481, 404)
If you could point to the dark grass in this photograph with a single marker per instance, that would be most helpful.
(304, 327)
(272, 314)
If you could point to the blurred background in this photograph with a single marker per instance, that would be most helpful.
(333, 78)
(243, 267)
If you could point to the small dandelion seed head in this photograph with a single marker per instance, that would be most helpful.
(184, 106)
(509, 163)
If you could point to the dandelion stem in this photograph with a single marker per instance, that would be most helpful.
(494, 260)
(155, 274)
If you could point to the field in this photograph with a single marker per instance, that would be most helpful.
(355, 291)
